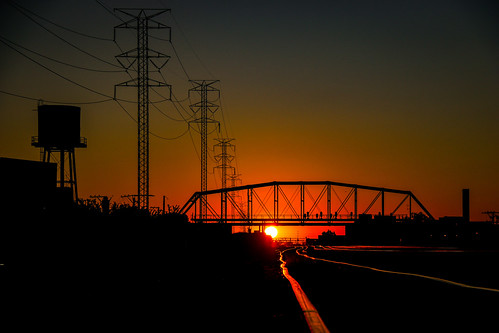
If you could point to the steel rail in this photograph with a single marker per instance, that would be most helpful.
(314, 320)
(454, 283)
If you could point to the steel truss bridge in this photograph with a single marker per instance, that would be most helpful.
(291, 203)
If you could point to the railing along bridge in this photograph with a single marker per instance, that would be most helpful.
(302, 203)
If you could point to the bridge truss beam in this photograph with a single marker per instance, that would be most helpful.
(300, 202)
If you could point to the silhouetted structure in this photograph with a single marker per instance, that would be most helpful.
(59, 134)
(466, 205)
(291, 194)
(493, 216)
(207, 93)
(329, 238)
(224, 158)
(27, 186)
(142, 20)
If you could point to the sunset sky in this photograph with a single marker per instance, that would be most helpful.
(399, 94)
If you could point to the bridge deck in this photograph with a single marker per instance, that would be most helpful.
(240, 223)
(311, 202)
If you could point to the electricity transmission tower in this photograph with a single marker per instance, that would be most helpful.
(142, 20)
(235, 196)
(224, 158)
(206, 93)
(235, 180)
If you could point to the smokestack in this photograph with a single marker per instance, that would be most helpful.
(466, 205)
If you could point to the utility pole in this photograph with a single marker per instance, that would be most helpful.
(204, 109)
(132, 198)
(142, 20)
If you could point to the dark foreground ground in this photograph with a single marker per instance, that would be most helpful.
(350, 299)
(141, 276)
(149, 275)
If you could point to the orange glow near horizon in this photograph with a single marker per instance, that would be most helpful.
(366, 98)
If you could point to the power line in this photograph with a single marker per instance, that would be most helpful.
(109, 10)
(54, 72)
(59, 37)
(112, 13)
(222, 103)
(222, 109)
(176, 108)
(180, 61)
(55, 102)
(167, 116)
(190, 46)
(173, 101)
(70, 80)
(60, 26)
(123, 108)
(176, 99)
(194, 144)
(61, 62)
(96, 102)
(150, 132)
(170, 139)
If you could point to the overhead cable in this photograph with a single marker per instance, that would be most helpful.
(109, 10)
(152, 133)
(190, 46)
(180, 61)
(51, 101)
(59, 37)
(166, 115)
(54, 72)
(60, 26)
(62, 62)
(70, 80)
(170, 139)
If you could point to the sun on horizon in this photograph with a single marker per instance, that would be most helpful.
(271, 231)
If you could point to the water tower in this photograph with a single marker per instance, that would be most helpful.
(58, 136)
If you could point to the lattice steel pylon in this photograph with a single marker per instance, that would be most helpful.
(204, 109)
(224, 158)
(142, 20)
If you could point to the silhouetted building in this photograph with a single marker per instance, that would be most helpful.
(330, 238)
(28, 187)
(466, 205)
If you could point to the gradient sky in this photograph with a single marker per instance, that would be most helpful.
(400, 94)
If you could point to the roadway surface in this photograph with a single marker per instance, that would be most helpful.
(400, 289)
